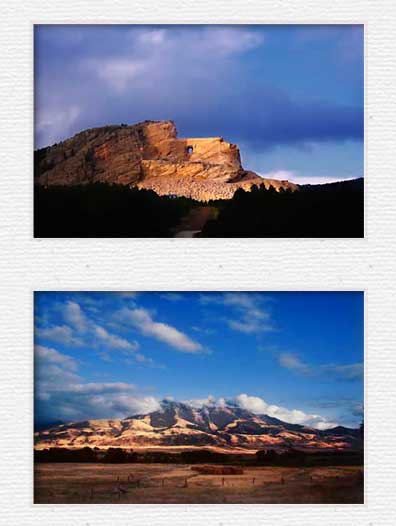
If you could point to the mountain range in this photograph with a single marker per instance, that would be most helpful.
(179, 425)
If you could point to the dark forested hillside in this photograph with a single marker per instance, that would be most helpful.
(105, 210)
(329, 210)
(110, 210)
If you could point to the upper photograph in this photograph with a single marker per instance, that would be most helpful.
(198, 131)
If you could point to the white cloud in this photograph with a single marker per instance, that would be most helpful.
(75, 316)
(257, 405)
(246, 325)
(292, 361)
(200, 402)
(52, 369)
(142, 320)
(50, 355)
(347, 372)
(252, 318)
(58, 333)
(251, 403)
(114, 341)
(322, 426)
(292, 416)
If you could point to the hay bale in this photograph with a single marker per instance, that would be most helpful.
(218, 470)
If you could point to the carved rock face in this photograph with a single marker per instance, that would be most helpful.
(148, 155)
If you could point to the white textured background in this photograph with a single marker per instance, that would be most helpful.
(182, 264)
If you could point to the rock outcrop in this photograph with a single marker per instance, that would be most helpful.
(149, 155)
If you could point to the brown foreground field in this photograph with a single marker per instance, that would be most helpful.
(72, 483)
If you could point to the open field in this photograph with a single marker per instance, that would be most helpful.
(72, 483)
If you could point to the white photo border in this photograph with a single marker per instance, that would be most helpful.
(29, 264)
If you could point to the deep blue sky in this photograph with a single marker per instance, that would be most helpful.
(290, 96)
(296, 356)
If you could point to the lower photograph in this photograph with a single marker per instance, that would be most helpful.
(198, 397)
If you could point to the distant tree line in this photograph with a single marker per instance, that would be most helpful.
(291, 457)
(328, 210)
(295, 457)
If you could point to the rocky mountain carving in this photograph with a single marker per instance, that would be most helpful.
(149, 155)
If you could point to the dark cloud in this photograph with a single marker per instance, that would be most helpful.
(200, 77)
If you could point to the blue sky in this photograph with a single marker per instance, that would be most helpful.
(290, 96)
(295, 356)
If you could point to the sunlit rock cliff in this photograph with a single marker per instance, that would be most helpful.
(149, 155)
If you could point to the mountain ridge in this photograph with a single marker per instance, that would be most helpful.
(180, 425)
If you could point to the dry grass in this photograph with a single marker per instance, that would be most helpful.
(171, 483)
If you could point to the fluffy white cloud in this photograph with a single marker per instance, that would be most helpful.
(259, 406)
(83, 330)
(142, 320)
(199, 402)
(292, 416)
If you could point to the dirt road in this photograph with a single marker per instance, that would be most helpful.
(195, 220)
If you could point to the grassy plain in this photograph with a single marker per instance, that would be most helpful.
(72, 483)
